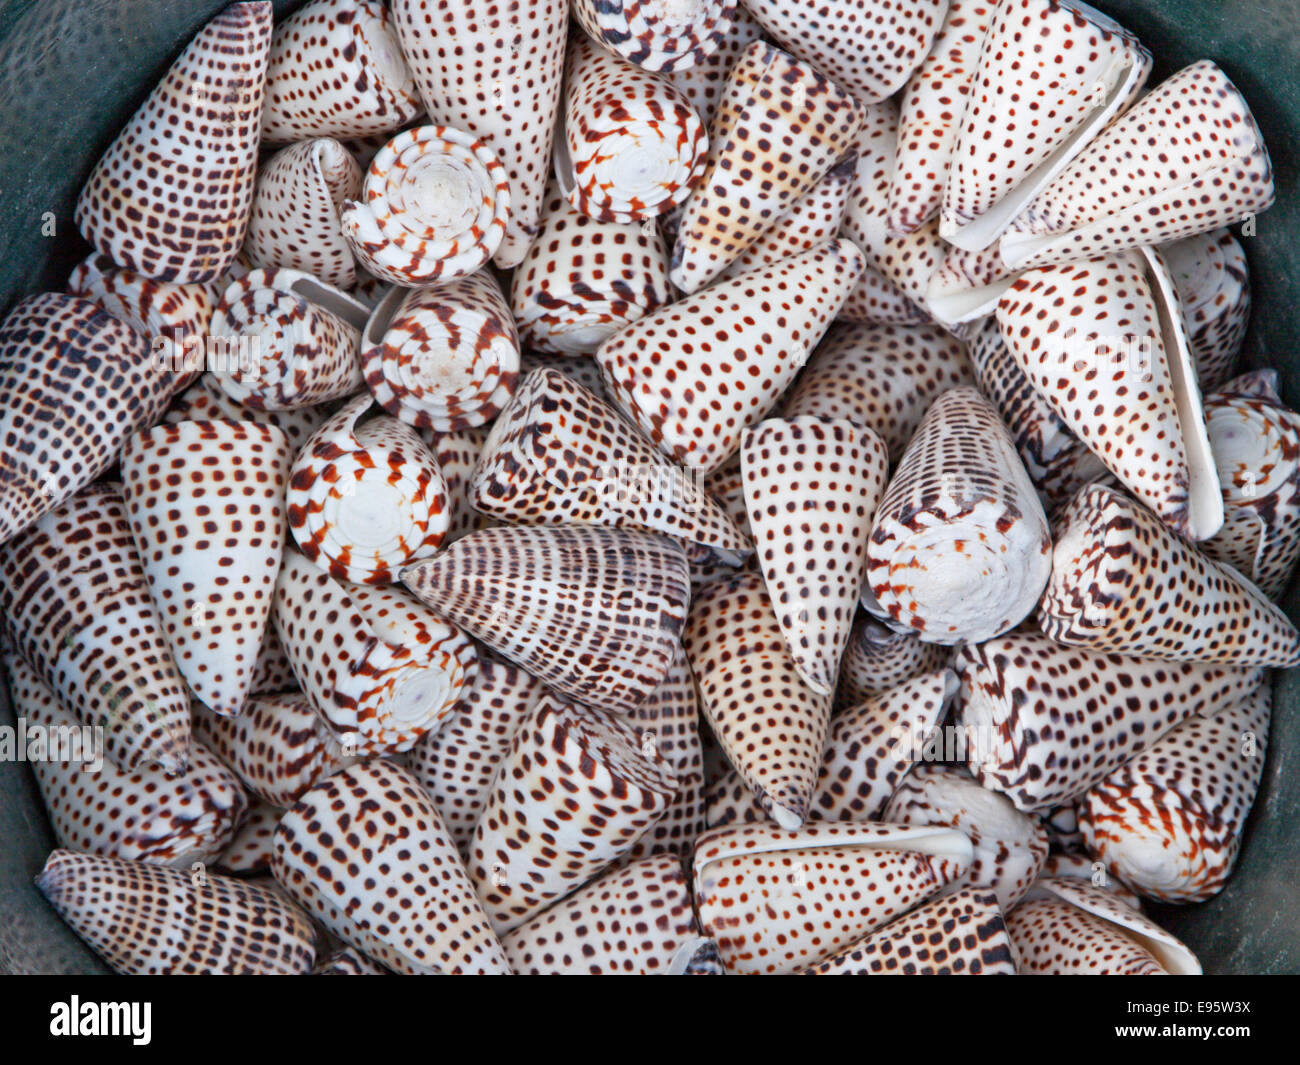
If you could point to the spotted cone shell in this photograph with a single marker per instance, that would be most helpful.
(278, 745)
(74, 384)
(593, 612)
(771, 725)
(179, 313)
(76, 606)
(294, 220)
(747, 339)
(749, 183)
(1044, 722)
(583, 280)
(1010, 847)
(206, 504)
(1121, 581)
(632, 148)
(366, 496)
(336, 70)
(145, 920)
(1033, 108)
(1169, 823)
(1056, 460)
(654, 37)
(434, 205)
(631, 921)
(962, 934)
(574, 792)
(1118, 374)
(877, 300)
(931, 111)
(493, 70)
(878, 659)
(704, 80)
(558, 454)
(1256, 443)
(779, 900)
(1066, 927)
(867, 46)
(881, 377)
(379, 668)
(445, 357)
(143, 815)
(457, 764)
(812, 487)
(169, 198)
(366, 853)
(960, 549)
(1208, 168)
(1213, 283)
(283, 340)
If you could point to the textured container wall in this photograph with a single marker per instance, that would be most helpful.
(71, 73)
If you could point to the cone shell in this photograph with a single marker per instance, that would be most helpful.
(655, 37)
(878, 659)
(668, 723)
(583, 280)
(960, 549)
(906, 261)
(442, 358)
(559, 455)
(336, 70)
(962, 934)
(366, 496)
(294, 220)
(76, 605)
(698, 419)
(366, 853)
(1032, 110)
(74, 384)
(494, 71)
(206, 504)
(630, 921)
(1213, 283)
(932, 106)
(278, 745)
(1170, 821)
(1056, 460)
(145, 920)
(434, 205)
(778, 901)
(1101, 342)
(1121, 581)
(1045, 722)
(749, 184)
(249, 852)
(457, 764)
(143, 815)
(288, 341)
(812, 487)
(179, 313)
(574, 792)
(169, 198)
(632, 148)
(379, 668)
(882, 377)
(1256, 443)
(1010, 847)
(595, 613)
(1067, 927)
(1207, 168)
(771, 725)
(877, 300)
(457, 454)
(704, 81)
(867, 46)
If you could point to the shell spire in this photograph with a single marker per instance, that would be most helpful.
(659, 37)
(193, 142)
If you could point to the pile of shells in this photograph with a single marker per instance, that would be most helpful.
(683, 488)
